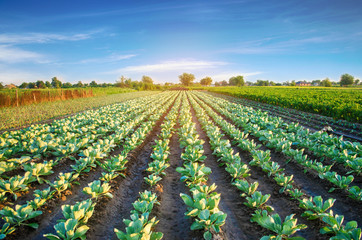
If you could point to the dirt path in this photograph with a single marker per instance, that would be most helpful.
(173, 223)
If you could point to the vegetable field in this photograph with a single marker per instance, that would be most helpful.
(179, 165)
(338, 103)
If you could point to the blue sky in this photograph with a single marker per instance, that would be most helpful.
(278, 40)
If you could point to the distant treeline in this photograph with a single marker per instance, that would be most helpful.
(145, 84)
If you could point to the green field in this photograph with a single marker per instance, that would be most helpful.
(12, 117)
(339, 103)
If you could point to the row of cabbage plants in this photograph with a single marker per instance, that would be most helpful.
(110, 120)
(140, 226)
(320, 143)
(265, 130)
(240, 173)
(21, 214)
(36, 171)
(315, 207)
(74, 224)
(307, 118)
(35, 139)
(203, 203)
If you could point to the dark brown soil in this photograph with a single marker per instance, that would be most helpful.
(173, 223)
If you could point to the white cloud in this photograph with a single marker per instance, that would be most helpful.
(8, 76)
(275, 45)
(12, 55)
(111, 58)
(171, 66)
(227, 75)
(41, 37)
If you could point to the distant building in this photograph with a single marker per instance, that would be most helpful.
(302, 83)
(10, 86)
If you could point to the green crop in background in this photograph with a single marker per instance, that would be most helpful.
(338, 103)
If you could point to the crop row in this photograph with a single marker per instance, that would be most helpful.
(203, 203)
(22, 213)
(240, 174)
(140, 226)
(93, 149)
(336, 103)
(259, 125)
(308, 119)
(316, 208)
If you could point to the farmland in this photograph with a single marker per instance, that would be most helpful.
(135, 169)
(338, 103)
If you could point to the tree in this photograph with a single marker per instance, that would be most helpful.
(206, 81)
(293, 83)
(56, 83)
(316, 82)
(24, 85)
(93, 84)
(147, 80)
(67, 85)
(237, 81)
(1, 85)
(262, 83)
(346, 79)
(224, 83)
(123, 82)
(356, 82)
(187, 79)
(40, 84)
(79, 84)
(326, 83)
(217, 84)
(31, 85)
(128, 82)
(48, 84)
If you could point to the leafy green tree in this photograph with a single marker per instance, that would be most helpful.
(48, 84)
(356, 82)
(67, 85)
(93, 84)
(40, 84)
(147, 80)
(326, 83)
(224, 83)
(79, 84)
(24, 85)
(1, 85)
(346, 79)
(31, 85)
(237, 81)
(316, 82)
(129, 82)
(56, 83)
(187, 79)
(206, 81)
(262, 83)
(293, 83)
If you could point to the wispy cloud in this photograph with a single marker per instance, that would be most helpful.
(111, 58)
(9, 54)
(227, 75)
(275, 45)
(26, 38)
(171, 66)
(16, 76)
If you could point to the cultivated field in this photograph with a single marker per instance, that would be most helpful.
(134, 169)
